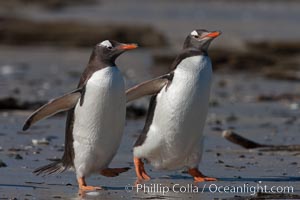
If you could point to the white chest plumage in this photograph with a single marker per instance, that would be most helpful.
(99, 121)
(174, 139)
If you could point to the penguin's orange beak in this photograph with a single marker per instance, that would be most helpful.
(213, 34)
(127, 46)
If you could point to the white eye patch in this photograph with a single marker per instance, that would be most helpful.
(105, 43)
(194, 33)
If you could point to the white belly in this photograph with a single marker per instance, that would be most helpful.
(174, 139)
(99, 122)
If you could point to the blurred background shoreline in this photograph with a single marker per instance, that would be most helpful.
(258, 36)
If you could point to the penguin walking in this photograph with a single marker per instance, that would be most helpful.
(173, 133)
(96, 117)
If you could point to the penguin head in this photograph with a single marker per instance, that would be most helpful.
(200, 39)
(108, 50)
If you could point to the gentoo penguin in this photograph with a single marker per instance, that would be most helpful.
(96, 117)
(173, 133)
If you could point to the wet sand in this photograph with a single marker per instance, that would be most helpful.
(234, 106)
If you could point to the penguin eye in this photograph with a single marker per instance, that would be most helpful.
(109, 47)
(196, 36)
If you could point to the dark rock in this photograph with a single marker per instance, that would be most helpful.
(277, 62)
(51, 137)
(231, 118)
(18, 157)
(213, 103)
(12, 103)
(16, 91)
(222, 83)
(34, 182)
(239, 61)
(275, 47)
(15, 149)
(215, 128)
(291, 120)
(9, 103)
(231, 166)
(2, 164)
(17, 31)
(218, 122)
(220, 161)
(56, 197)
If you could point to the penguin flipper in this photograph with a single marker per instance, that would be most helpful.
(148, 87)
(54, 106)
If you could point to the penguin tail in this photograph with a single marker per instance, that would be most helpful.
(52, 168)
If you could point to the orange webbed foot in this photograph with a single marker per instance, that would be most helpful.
(140, 170)
(200, 179)
(198, 176)
(90, 188)
(83, 187)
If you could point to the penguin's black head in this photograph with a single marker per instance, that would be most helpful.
(200, 39)
(108, 50)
